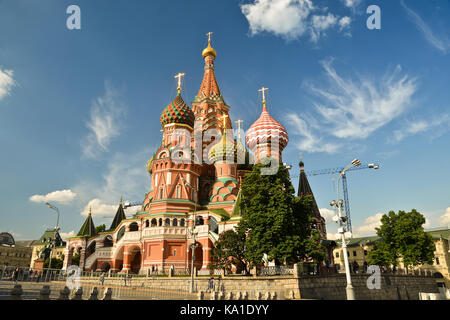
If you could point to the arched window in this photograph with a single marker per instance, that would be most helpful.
(199, 221)
(108, 242)
(167, 222)
(120, 233)
(161, 193)
(178, 192)
(160, 222)
(154, 223)
(175, 222)
(133, 227)
(182, 223)
(147, 223)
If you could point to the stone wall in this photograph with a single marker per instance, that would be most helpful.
(332, 287)
(393, 287)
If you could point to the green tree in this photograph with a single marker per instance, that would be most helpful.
(403, 237)
(75, 259)
(57, 263)
(100, 228)
(229, 249)
(276, 222)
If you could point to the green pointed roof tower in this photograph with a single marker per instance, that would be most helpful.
(120, 215)
(88, 228)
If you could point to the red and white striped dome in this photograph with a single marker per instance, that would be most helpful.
(265, 130)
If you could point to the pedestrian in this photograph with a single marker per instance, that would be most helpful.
(125, 280)
(16, 275)
(327, 265)
(129, 279)
(102, 278)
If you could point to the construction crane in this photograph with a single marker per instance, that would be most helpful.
(344, 184)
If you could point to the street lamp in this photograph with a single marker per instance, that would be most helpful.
(53, 240)
(193, 234)
(342, 230)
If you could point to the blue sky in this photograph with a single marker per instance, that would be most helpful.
(79, 109)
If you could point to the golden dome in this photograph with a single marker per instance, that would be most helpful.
(209, 51)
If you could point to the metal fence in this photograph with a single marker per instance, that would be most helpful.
(123, 286)
(276, 270)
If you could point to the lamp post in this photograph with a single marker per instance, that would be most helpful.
(193, 234)
(52, 240)
(342, 230)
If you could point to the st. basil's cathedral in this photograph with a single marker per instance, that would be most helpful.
(184, 194)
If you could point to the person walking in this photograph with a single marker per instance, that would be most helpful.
(16, 275)
(102, 278)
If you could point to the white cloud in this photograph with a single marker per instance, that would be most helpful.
(442, 45)
(351, 3)
(290, 19)
(310, 141)
(320, 24)
(61, 196)
(105, 122)
(419, 126)
(355, 109)
(370, 223)
(445, 218)
(126, 176)
(6, 82)
(100, 209)
(104, 210)
(327, 214)
(344, 22)
(65, 235)
(331, 236)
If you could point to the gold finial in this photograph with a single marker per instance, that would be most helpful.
(120, 200)
(90, 210)
(179, 76)
(263, 90)
(300, 156)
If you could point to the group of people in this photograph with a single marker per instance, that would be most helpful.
(19, 274)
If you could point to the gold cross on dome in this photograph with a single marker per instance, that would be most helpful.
(263, 93)
(179, 76)
(209, 34)
(224, 116)
(239, 127)
(239, 124)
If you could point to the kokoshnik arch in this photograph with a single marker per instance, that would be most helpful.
(157, 237)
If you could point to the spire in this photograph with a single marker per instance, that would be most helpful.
(304, 189)
(120, 215)
(301, 164)
(209, 87)
(88, 228)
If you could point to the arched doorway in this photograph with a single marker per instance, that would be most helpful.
(118, 260)
(105, 267)
(135, 260)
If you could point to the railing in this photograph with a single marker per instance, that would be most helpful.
(276, 270)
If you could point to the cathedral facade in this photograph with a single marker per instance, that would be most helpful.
(196, 176)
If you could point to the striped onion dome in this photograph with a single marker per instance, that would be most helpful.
(264, 129)
(224, 150)
(177, 112)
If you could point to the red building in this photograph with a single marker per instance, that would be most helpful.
(195, 178)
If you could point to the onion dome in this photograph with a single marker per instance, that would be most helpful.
(209, 51)
(264, 130)
(224, 150)
(177, 112)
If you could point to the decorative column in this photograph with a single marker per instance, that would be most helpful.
(126, 260)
